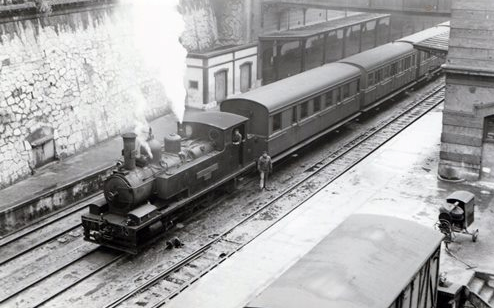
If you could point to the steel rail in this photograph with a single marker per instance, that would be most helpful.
(80, 206)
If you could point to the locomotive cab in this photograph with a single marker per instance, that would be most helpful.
(210, 155)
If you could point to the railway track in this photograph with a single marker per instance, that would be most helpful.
(198, 261)
(44, 231)
(174, 279)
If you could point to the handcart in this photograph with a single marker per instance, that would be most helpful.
(457, 215)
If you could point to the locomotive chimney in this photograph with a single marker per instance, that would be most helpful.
(129, 150)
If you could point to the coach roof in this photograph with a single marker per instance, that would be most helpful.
(378, 56)
(282, 93)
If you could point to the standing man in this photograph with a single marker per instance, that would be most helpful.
(237, 137)
(264, 166)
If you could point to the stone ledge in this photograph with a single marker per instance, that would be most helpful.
(16, 216)
(28, 9)
(455, 170)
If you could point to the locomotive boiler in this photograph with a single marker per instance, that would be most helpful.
(146, 191)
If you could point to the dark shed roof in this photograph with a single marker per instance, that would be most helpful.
(364, 263)
(378, 56)
(283, 92)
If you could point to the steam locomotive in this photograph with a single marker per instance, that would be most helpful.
(145, 193)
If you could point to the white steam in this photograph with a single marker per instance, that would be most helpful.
(157, 28)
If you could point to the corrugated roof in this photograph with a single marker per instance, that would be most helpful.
(424, 35)
(276, 95)
(380, 55)
(364, 263)
(438, 44)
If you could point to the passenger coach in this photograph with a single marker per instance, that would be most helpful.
(369, 261)
(294, 111)
(385, 69)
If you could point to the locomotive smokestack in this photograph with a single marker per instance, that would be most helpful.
(129, 150)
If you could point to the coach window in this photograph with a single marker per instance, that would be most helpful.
(317, 104)
(385, 73)
(304, 110)
(337, 97)
(329, 99)
(370, 79)
(276, 122)
(294, 114)
(394, 68)
(378, 76)
(346, 91)
(357, 89)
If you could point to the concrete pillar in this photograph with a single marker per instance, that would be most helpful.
(469, 89)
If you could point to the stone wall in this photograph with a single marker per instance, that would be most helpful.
(231, 21)
(201, 31)
(75, 76)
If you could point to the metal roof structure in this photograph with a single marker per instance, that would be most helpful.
(434, 40)
(380, 55)
(221, 120)
(323, 27)
(438, 45)
(424, 35)
(366, 262)
(283, 92)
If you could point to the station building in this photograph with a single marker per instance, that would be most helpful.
(468, 117)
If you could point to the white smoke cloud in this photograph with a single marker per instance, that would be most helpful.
(157, 28)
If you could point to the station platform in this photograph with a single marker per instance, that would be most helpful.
(399, 179)
(60, 183)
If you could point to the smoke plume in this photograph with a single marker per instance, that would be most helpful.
(157, 28)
